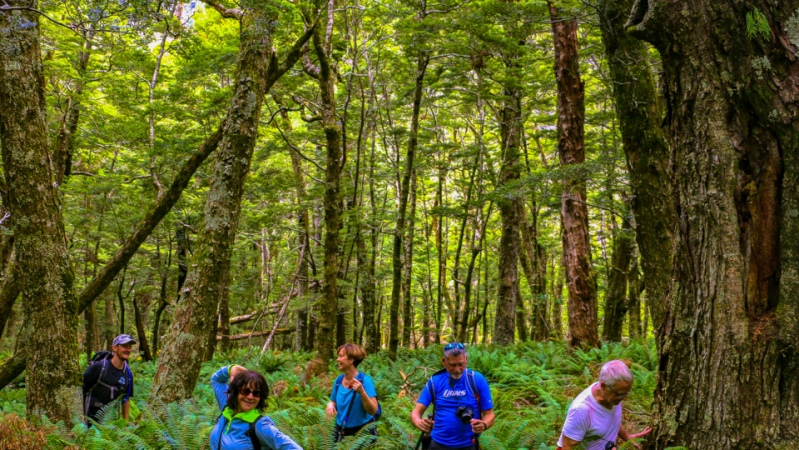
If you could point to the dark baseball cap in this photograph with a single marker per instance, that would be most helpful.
(124, 339)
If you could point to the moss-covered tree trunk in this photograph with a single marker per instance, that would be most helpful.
(728, 341)
(42, 264)
(324, 342)
(645, 148)
(195, 312)
(580, 280)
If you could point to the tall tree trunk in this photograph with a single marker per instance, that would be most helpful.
(727, 343)
(324, 344)
(533, 262)
(40, 243)
(463, 310)
(477, 247)
(305, 243)
(510, 128)
(195, 311)
(141, 327)
(634, 298)
(399, 231)
(557, 298)
(616, 296)
(441, 249)
(369, 282)
(645, 147)
(582, 301)
(407, 279)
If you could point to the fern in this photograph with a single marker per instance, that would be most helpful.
(757, 25)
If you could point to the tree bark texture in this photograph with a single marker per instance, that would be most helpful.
(510, 129)
(574, 211)
(728, 342)
(195, 311)
(9, 291)
(44, 272)
(646, 150)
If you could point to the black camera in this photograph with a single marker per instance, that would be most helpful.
(465, 414)
(610, 445)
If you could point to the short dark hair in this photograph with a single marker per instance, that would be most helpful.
(353, 351)
(247, 378)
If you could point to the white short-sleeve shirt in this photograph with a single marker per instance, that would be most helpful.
(590, 423)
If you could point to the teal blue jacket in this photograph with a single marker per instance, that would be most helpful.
(232, 428)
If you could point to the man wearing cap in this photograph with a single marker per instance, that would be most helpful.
(461, 402)
(109, 378)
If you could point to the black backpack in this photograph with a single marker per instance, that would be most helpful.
(250, 433)
(103, 357)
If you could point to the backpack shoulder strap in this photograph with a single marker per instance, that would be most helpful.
(130, 379)
(473, 387)
(336, 385)
(431, 387)
(256, 443)
(103, 370)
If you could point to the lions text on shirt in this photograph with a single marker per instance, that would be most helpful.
(590, 423)
(448, 430)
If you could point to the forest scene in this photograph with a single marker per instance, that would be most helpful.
(192, 193)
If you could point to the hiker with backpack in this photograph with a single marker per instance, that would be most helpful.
(462, 405)
(241, 396)
(108, 378)
(353, 401)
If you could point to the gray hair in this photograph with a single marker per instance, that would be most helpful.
(454, 352)
(614, 371)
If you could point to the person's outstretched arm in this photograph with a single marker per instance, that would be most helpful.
(220, 380)
(272, 437)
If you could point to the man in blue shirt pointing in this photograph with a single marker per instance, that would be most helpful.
(461, 402)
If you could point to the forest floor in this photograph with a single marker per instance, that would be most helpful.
(532, 385)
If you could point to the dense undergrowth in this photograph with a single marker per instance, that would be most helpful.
(531, 383)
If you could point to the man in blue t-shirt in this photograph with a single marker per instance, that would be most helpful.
(461, 400)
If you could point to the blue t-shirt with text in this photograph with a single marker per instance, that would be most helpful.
(448, 429)
(344, 396)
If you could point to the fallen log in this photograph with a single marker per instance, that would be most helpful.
(247, 317)
(237, 337)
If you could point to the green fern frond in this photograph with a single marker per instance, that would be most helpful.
(757, 25)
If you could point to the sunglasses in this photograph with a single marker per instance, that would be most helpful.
(245, 391)
(454, 345)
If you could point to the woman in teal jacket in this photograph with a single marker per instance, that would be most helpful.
(241, 395)
(353, 401)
